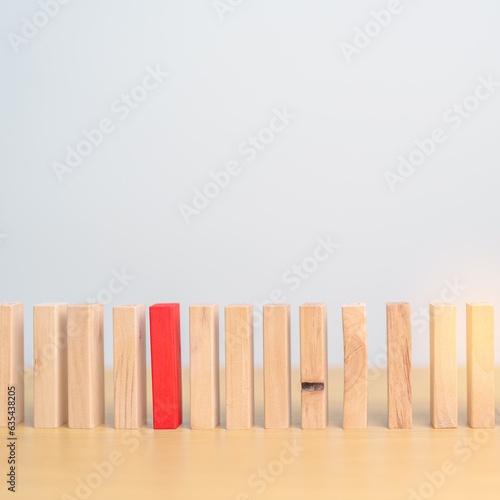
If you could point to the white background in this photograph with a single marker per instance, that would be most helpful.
(323, 176)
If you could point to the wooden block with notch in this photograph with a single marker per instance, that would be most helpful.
(355, 366)
(399, 397)
(239, 366)
(129, 365)
(50, 365)
(164, 321)
(85, 366)
(277, 373)
(480, 365)
(313, 366)
(443, 347)
(204, 365)
(11, 362)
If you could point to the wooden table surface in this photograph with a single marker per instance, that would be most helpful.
(376, 463)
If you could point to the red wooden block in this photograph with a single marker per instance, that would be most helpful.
(165, 331)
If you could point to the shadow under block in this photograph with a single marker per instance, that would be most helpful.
(239, 366)
(85, 366)
(355, 366)
(480, 366)
(277, 373)
(50, 365)
(11, 361)
(443, 353)
(313, 366)
(165, 333)
(399, 397)
(129, 366)
(204, 365)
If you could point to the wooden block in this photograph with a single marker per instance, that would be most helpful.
(355, 366)
(399, 398)
(277, 373)
(50, 365)
(480, 366)
(239, 366)
(129, 365)
(165, 332)
(85, 366)
(11, 361)
(204, 365)
(443, 344)
(313, 366)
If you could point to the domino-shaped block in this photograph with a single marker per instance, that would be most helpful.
(239, 366)
(165, 331)
(85, 366)
(355, 366)
(443, 345)
(277, 373)
(399, 398)
(480, 366)
(11, 362)
(129, 365)
(313, 366)
(204, 365)
(50, 365)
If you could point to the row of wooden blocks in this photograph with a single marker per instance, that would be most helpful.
(68, 365)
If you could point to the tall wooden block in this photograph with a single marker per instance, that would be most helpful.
(480, 366)
(50, 365)
(204, 365)
(129, 365)
(11, 362)
(399, 397)
(443, 344)
(313, 366)
(355, 366)
(277, 374)
(239, 366)
(164, 320)
(85, 366)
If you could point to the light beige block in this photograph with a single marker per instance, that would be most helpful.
(50, 365)
(11, 362)
(129, 365)
(313, 366)
(239, 366)
(85, 366)
(480, 365)
(443, 346)
(277, 373)
(204, 365)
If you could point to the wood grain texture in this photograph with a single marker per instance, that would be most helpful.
(480, 365)
(50, 364)
(355, 412)
(166, 365)
(443, 352)
(239, 366)
(11, 359)
(399, 397)
(313, 366)
(277, 372)
(129, 366)
(204, 365)
(85, 366)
